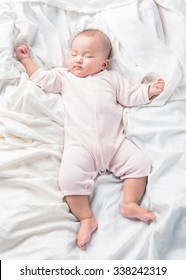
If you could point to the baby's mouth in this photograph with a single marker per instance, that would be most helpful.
(77, 67)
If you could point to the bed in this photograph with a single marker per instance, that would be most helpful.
(149, 39)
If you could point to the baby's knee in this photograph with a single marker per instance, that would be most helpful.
(144, 164)
(75, 184)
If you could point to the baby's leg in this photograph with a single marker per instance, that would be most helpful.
(133, 191)
(132, 166)
(80, 207)
(76, 179)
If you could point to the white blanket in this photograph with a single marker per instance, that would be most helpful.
(149, 39)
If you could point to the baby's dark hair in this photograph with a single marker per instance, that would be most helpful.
(105, 39)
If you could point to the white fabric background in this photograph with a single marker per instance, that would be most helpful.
(149, 41)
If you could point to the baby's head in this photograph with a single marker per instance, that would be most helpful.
(89, 54)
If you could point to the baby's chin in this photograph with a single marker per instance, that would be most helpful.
(79, 73)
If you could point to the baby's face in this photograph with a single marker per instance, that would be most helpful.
(87, 56)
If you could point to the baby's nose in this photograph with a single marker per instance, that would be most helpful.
(79, 59)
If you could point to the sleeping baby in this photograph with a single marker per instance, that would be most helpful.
(95, 141)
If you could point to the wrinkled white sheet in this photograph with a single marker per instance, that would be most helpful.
(149, 39)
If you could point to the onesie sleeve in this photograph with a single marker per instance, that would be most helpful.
(48, 81)
(131, 95)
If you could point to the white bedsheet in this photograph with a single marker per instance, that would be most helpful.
(149, 39)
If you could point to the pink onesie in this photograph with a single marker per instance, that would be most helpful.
(94, 132)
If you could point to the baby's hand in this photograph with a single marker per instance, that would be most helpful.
(156, 88)
(23, 52)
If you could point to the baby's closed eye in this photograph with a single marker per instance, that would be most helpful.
(89, 56)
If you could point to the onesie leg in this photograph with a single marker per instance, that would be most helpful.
(132, 166)
(77, 171)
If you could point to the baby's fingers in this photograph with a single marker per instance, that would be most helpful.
(160, 83)
(25, 49)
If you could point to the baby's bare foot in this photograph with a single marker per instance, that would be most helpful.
(133, 210)
(87, 227)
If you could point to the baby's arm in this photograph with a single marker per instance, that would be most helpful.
(156, 88)
(23, 54)
(136, 95)
(49, 81)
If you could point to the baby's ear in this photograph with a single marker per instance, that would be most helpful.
(105, 64)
